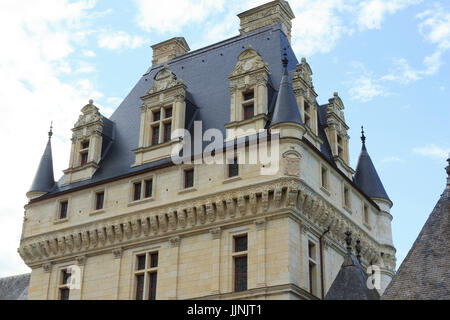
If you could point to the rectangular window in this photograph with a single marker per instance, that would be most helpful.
(189, 178)
(366, 214)
(240, 263)
(248, 111)
(146, 275)
(152, 286)
(312, 270)
(248, 95)
(64, 291)
(84, 158)
(85, 145)
(155, 135)
(156, 116)
(307, 112)
(168, 112)
(233, 169)
(240, 273)
(148, 188)
(99, 198)
(324, 178)
(140, 279)
(340, 148)
(167, 131)
(137, 191)
(63, 209)
(346, 197)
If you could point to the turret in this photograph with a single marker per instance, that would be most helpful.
(286, 117)
(44, 180)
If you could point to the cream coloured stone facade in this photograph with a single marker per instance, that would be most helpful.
(291, 219)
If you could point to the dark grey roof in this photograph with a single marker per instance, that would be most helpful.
(15, 287)
(321, 125)
(351, 283)
(366, 177)
(44, 179)
(425, 272)
(286, 109)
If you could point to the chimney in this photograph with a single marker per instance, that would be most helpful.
(277, 11)
(169, 49)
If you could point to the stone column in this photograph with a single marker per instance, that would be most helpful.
(172, 268)
(47, 275)
(260, 226)
(117, 261)
(216, 234)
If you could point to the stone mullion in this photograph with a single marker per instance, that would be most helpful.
(215, 265)
(261, 252)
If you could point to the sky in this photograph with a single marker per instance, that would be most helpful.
(387, 59)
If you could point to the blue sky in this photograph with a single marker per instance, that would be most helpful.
(387, 59)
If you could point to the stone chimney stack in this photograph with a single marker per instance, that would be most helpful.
(169, 49)
(277, 11)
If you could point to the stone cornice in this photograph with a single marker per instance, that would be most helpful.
(271, 198)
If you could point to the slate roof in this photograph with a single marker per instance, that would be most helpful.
(44, 179)
(425, 272)
(15, 287)
(286, 109)
(366, 176)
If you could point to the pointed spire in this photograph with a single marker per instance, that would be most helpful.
(351, 281)
(286, 109)
(44, 180)
(366, 176)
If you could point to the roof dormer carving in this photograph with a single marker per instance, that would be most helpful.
(164, 79)
(249, 61)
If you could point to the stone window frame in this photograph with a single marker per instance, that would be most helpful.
(236, 232)
(82, 151)
(57, 218)
(134, 271)
(365, 214)
(181, 171)
(142, 180)
(226, 177)
(347, 205)
(163, 120)
(93, 197)
(315, 261)
(326, 189)
(248, 102)
(59, 284)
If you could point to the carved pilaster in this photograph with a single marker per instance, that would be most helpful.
(174, 242)
(215, 233)
(117, 253)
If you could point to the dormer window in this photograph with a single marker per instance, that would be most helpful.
(84, 152)
(340, 147)
(307, 117)
(248, 104)
(161, 125)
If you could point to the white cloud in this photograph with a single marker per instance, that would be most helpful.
(40, 37)
(373, 12)
(119, 40)
(88, 53)
(433, 151)
(172, 15)
(364, 86)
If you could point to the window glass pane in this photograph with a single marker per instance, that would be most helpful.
(155, 135)
(141, 262)
(65, 277)
(248, 95)
(152, 286)
(137, 191)
(233, 169)
(64, 294)
(156, 116)
(240, 243)
(168, 112)
(148, 188)
(140, 287)
(167, 131)
(248, 112)
(99, 202)
(63, 210)
(85, 145)
(240, 273)
(84, 158)
(189, 178)
(153, 260)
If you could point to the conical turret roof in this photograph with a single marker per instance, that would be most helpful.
(366, 176)
(425, 272)
(286, 109)
(44, 180)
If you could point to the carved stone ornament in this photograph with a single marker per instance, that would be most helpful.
(164, 79)
(248, 60)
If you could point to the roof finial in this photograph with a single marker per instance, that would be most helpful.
(363, 137)
(358, 250)
(50, 133)
(285, 60)
(348, 240)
